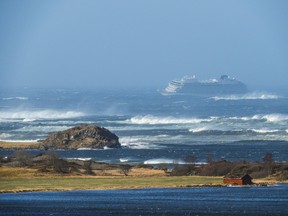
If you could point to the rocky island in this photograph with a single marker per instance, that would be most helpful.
(85, 136)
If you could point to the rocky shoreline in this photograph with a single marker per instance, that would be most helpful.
(84, 136)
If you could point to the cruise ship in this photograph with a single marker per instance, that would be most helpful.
(192, 86)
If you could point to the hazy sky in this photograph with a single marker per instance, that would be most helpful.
(119, 43)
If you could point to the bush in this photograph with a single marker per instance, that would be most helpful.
(216, 168)
(125, 169)
(255, 168)
(88, 167)
(181, 170)
(24, 158)
(283, 176)
(259, 174)
(55, 164)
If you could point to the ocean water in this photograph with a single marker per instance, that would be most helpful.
(236, 201)
(152, 128)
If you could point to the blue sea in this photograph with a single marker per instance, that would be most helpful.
(152, 128)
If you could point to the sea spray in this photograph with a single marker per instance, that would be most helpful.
(249, 96)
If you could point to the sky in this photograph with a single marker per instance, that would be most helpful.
(128, 43)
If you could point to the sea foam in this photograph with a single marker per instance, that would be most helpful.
(274, 117)
(249, 96)
(149, 119)
(44, 129)
(30, 115)
(25, 140)
(264, 131)
(5, 136)
(163, 161)
(139, 142)
(170, 161)
(197, 130)
(15, 98)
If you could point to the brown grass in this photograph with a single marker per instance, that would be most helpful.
(19, 179)
(22, 172)
(19, 145)
(27, 179)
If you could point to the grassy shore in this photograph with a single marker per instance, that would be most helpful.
(23, 179)
(28, 172)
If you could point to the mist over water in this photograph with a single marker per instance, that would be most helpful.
(51, 52)
(150, 126)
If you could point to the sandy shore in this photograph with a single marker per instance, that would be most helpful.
(19, 145)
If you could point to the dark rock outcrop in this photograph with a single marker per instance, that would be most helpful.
(81, 137)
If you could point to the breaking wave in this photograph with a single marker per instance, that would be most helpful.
(163, 161)
(249, 96)
(4, 136)
(43, 129)
(237, 131)
(138, 142)
(153, 120)
(275, 117)
(269, 121)
(22, 140)
(169, 161)
(264, 131)
(26, 115)
(148, 142)
(197, 130)
(81, 159)
(15, 98)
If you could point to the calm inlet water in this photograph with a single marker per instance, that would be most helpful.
(189, 201)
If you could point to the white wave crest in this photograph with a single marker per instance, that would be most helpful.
(17, 98)
(264, 131)
(26, 115)
(81, 159)
(86, 149)
(275, 117)
(123, 160)
(249, 96)
(5, 136)
(153, 120)
(169, 161)
(138, 142)
(197, 130)
(9, 140)
(43, 129)
(163, 161)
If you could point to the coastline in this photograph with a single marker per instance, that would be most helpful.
(19, 145)
(21, 179)
(109, 177)
(17, 180)
(59, 189)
